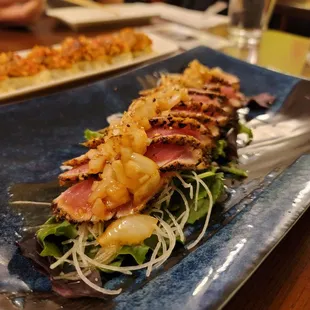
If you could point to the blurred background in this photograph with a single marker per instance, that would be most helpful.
(292, 16)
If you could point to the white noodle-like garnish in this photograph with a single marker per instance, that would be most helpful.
(172, 242)
(88, 282)
(205, 226)
(62, 259)
(196, 195)
(186, 213)
(90, 229)
(186, 185)
(177, 226)
(154, 254)
(81, 247)
(72, 276)
(26, 202)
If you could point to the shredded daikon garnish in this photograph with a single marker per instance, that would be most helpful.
(177, 226)
(164, 245)
(87, 281)
(196, 195)
(186, 204)
(157, 211)
(154, 254)
(100, 227)
(169, 197)
(163, 242)
(26, 202)
(205, 226)
(82, 233)
(164, 196)
(181, 216)
(172, 242)
(92, 231)
(62, 259)
(186, 185)
(73, 276)
(94, 263)
(88, 243)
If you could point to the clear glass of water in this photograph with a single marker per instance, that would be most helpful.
(248, 18)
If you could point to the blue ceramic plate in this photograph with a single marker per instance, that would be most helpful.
(37, 135)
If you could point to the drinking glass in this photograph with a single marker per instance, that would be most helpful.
(248, 18)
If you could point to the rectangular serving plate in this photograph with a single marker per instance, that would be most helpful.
(161, 47)
(37, 135)
(77, 17)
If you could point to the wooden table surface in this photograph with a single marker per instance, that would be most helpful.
(283, 280)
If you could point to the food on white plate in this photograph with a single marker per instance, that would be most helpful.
(73, 56)
(156, 170)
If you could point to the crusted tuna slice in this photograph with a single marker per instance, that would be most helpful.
(178, 152)
(75, 174)
(212, 97)
(236, 99)
(167, 126)
(73, 204)
(93, 143)
(199, 148)
(208, 96)
(79, 169)
(207, 92)
(212, 111)
(204, 119)
(224, 96)
(77, 161)
(219, 76)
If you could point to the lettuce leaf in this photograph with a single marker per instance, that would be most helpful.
(138, 252)
(53, 228)
(246, 130)
(234, 170)
(220, 149)
(202, 209)
(90, 134)
(207, 174)
(216, 186)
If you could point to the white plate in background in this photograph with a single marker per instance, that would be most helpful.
(76, 17)
(188, 38)
(161, 47)
(190, 18)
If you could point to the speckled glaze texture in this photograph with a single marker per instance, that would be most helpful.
(37, 135)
